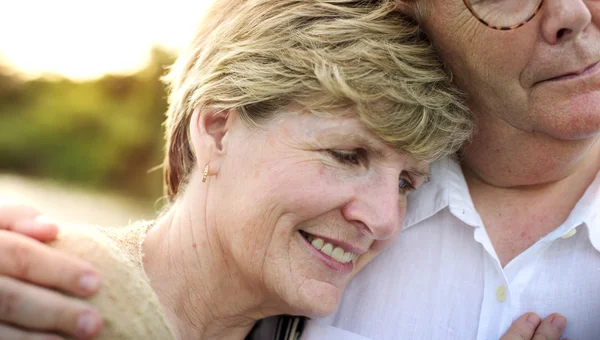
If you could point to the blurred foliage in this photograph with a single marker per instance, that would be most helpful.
(104, 133)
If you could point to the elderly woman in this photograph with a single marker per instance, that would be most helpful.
(493, 235)
(294, 133)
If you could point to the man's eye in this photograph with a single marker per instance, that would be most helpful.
(405, 186)
(345, 157)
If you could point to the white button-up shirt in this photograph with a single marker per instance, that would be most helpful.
(442, 279)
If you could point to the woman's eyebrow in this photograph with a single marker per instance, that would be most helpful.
(419, 173)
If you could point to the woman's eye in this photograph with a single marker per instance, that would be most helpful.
(405, 186)
(346, 157)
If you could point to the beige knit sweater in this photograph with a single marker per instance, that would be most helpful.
(126, 301)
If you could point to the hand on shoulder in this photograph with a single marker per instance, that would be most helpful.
(32, 275)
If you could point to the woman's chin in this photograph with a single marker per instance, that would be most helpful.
(318, 298)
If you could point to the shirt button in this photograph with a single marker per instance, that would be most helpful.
(570, 233)
(501, 293)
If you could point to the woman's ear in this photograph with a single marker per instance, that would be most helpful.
(209, 136)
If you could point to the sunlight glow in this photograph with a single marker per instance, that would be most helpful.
(86, 39)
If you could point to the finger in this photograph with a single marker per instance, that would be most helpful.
(27, 221)
(25, 259)
(34, 308)
(523, 328)
(551, 328)
(10, 333)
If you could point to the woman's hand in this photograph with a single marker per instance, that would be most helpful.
(32, 275)
(531, 327)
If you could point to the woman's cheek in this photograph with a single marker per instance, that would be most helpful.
(309, 189)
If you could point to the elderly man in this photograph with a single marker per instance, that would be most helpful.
(510, 226)
(514, 225)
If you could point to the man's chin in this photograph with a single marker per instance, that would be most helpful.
(570, 119)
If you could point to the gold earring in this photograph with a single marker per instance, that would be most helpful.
(206, 170)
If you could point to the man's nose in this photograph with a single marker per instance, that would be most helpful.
(563, 20)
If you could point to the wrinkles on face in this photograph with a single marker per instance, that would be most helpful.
(460, 38)
(452, 22)
(281, 179)
(551, 61)
(501, 70)
(485, 63)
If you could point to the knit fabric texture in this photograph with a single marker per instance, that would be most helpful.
(126, 301)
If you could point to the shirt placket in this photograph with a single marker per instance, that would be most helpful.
(503, 287)
(498, 302)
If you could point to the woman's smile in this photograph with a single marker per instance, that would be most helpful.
(333, 254)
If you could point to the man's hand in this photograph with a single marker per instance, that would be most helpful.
(27, 221)
(531, 327)
(31, 276)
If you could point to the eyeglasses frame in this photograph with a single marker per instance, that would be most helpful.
(503, 28)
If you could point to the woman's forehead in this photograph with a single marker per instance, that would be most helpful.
(347, 132)
(338, 128)
(343, 131)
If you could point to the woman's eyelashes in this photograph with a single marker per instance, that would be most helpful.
(358, 156)
(348, 157)
(405, 185)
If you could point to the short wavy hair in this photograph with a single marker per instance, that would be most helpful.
(256, 56)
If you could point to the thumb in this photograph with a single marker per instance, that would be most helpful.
(523, 328)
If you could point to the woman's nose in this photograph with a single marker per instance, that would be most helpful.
(378, 207)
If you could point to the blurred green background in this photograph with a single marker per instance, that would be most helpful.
(82, 104)
(104, 133)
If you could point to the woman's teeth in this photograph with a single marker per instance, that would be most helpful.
(336, 253)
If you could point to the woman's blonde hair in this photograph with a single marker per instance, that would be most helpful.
(256, 56)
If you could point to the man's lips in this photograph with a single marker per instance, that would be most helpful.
(589, 70)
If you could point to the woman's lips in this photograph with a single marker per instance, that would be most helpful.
(332, 256)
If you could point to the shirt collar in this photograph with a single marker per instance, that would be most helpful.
(447, 188)
(591, 207)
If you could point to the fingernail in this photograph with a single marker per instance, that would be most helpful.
(89, 282)
(43, 219)
(87, 324)
(559, 322)
(533, 320)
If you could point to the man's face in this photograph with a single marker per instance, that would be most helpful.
(542, 78)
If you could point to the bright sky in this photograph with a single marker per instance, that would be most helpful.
(83, 39)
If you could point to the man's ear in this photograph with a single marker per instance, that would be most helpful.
(209, 138)
(407, 7)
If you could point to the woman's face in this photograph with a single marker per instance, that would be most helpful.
(305, 202)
